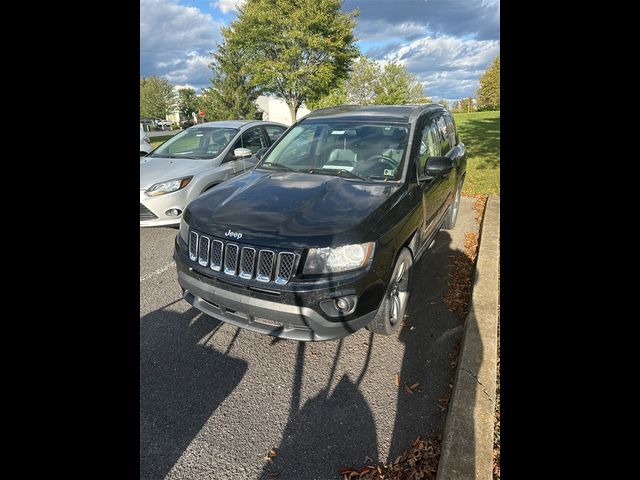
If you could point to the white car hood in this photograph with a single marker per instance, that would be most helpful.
(157, 169)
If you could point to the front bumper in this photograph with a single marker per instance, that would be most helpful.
(276, 318)
(159, 205)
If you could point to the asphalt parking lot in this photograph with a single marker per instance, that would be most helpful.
(214, 399)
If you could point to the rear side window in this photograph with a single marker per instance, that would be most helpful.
(273, 132)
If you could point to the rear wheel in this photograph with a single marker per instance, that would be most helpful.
(452, 213)
(394, 305)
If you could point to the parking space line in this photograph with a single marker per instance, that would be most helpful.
(157, 272)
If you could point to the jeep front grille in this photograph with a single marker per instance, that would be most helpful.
(246, 262)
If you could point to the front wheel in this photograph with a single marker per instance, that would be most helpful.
(394, 305)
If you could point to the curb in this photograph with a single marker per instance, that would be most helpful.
(467, 443)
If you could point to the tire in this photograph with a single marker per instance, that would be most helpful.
(452, 213)
(394, 304)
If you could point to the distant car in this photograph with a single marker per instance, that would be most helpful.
(145, 143)
(164, 124)
(196, 160)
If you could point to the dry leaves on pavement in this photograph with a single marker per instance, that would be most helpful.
(420, 461)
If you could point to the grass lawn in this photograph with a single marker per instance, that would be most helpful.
(155, 141)
(480, 132)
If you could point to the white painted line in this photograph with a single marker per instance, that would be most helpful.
(157, 272)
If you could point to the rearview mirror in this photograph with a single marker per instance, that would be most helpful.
(437, 166)
(242, 152)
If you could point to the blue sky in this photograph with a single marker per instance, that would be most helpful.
(447, 44)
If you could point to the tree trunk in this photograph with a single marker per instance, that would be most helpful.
(293, 109)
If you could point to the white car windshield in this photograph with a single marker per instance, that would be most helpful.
(364, 150)
(196, 143)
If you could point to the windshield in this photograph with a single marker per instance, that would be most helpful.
(196, 142)
(364, 150)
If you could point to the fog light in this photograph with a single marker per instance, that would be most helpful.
(339, 307)
(173, 212)
(342, 304)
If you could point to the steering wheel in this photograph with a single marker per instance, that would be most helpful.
(383, 159)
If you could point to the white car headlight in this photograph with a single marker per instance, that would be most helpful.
(184, 231)
(169, 186)
(338, 259)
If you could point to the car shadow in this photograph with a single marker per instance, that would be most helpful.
(431, 336)
(330, 429)
(343, 420)
(182, 381)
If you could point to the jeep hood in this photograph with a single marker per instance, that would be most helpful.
(290, 209)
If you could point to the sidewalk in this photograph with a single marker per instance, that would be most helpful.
(467, 445)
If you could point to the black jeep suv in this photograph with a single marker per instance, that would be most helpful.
(318, 240)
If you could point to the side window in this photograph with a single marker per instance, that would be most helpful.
(253, 140)
(442, 127)
(273, 132)
(451, 130)
(429, 145)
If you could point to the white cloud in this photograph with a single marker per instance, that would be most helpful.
(227, 6)
(192, 70)
(449, 66)
(380, 29)
(175, 41)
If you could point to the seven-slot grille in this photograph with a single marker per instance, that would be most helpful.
(246, 262)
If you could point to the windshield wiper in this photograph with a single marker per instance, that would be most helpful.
(277, 166)
(335, 171)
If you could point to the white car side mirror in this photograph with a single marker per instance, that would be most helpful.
(242, 152)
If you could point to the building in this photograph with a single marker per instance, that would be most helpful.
(275, 109)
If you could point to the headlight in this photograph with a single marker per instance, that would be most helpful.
(169, 186)
(184, 231)
(339, 259)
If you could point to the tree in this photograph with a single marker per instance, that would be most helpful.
(444, 103)
(489, 91)
(466, 105)
(231, 94)
(337, 96)
(187, 102)
(368, 83)
(396, 86)
(299, 49)
(157, 98)
(362, 81)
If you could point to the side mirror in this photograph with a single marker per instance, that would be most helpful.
(242, 152)
(437, 166)
(143, 154)
(260, 153)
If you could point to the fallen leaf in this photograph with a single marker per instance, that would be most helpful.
(397, 380)
(364, 470)
(407, 389)
(413, 386)
(272, 453)
(344, 470)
